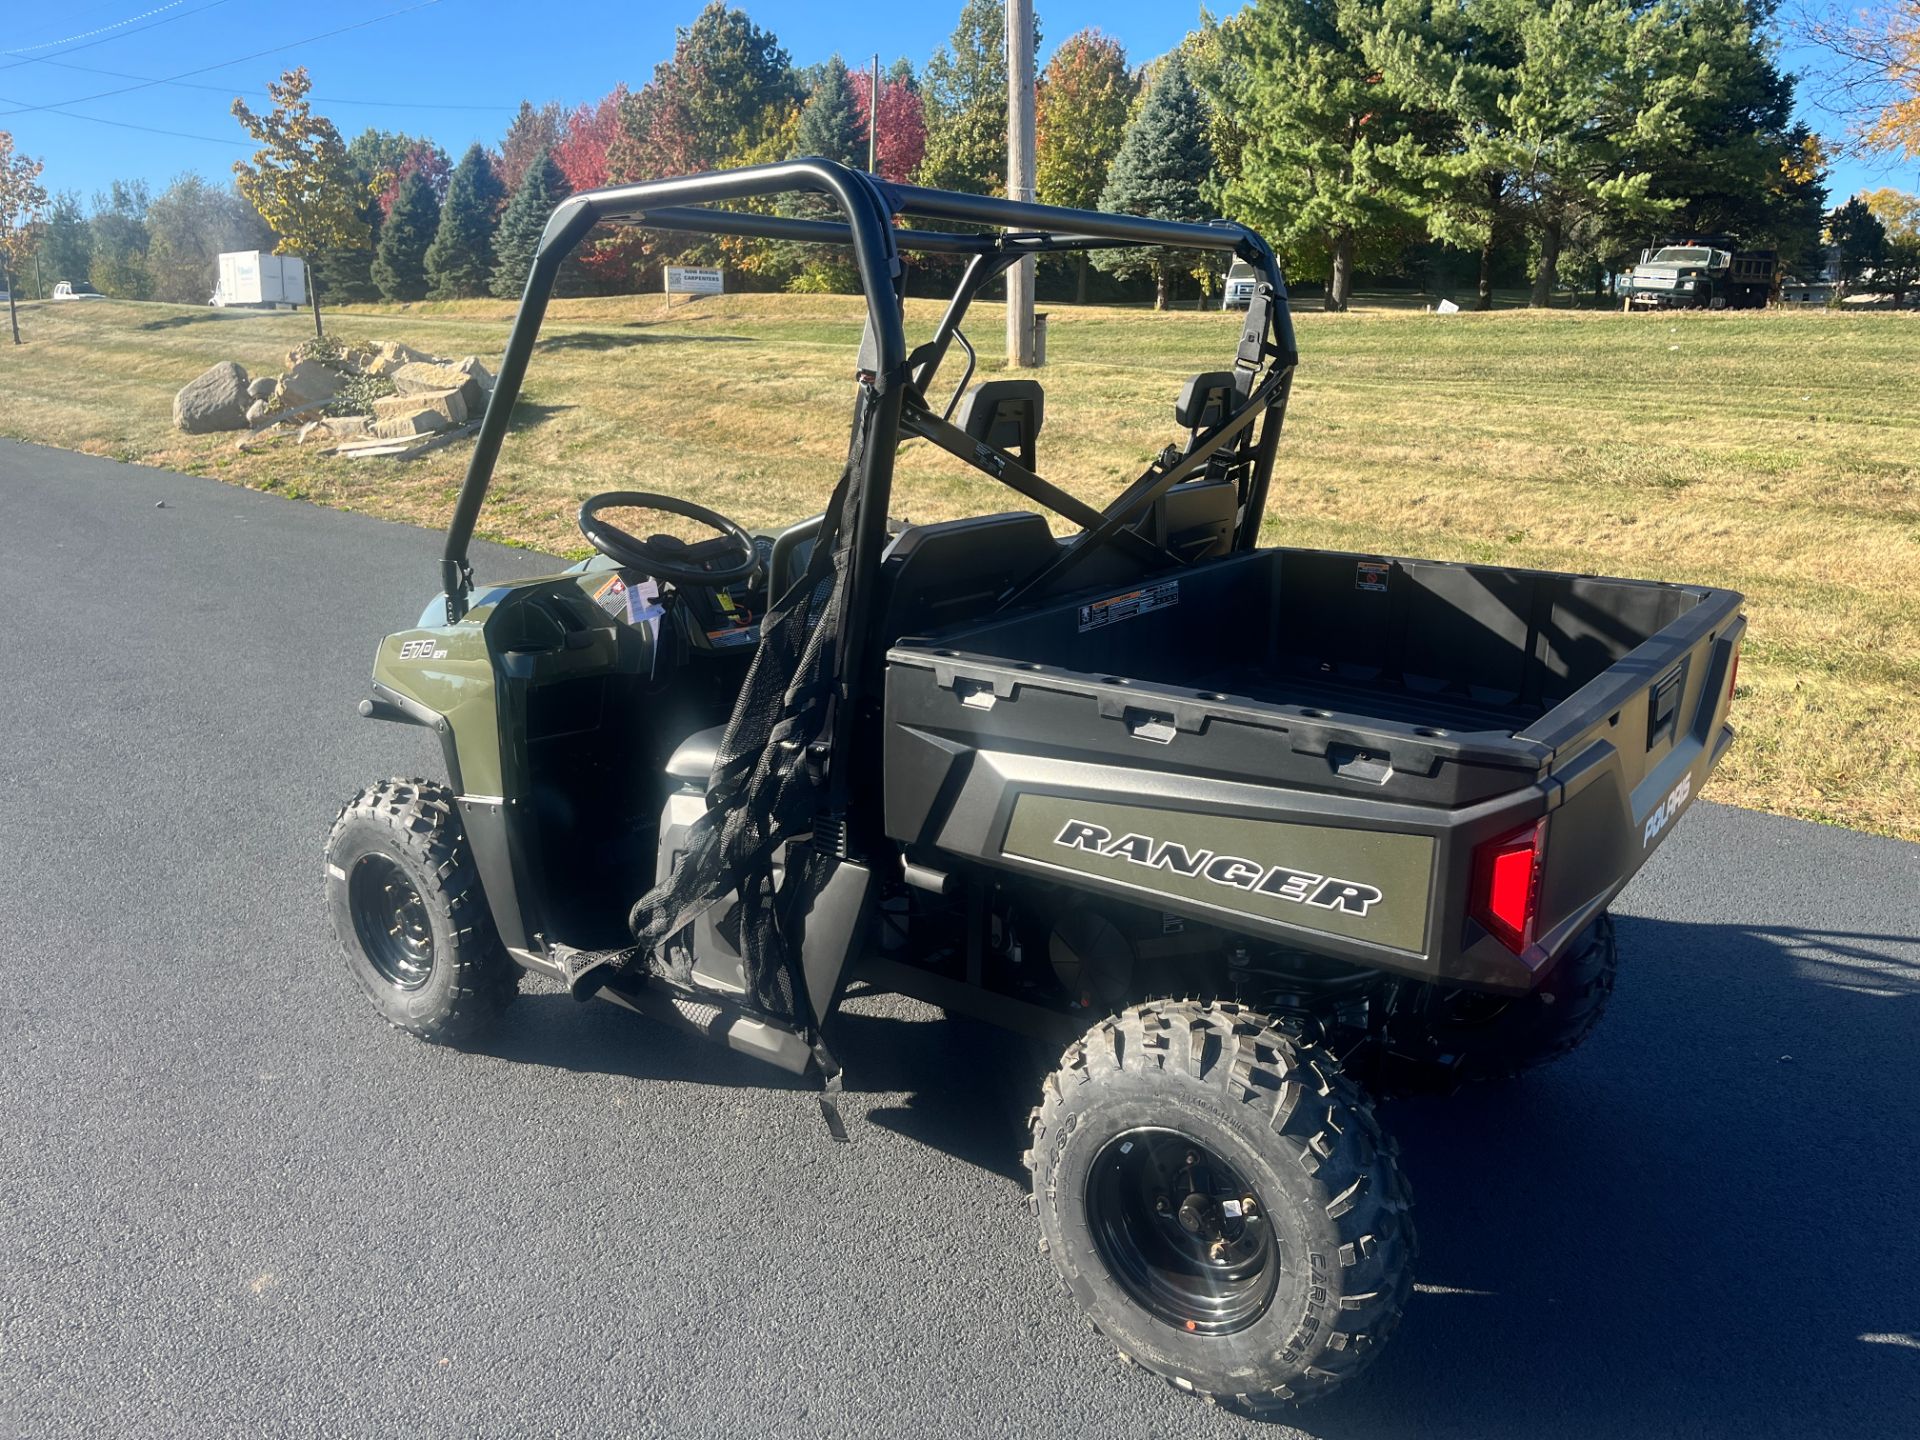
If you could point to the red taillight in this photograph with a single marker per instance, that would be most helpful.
(1506, 885)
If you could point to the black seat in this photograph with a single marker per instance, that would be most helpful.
(1007, 414)
(933, 576)
(1205, 400)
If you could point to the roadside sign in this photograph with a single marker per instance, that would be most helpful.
(695, 280)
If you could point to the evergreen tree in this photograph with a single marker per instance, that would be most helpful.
(400, 265)
(1327, 171)
(728, 89)
(533, 129)
(520, 228)
(345, 272)
(1160, 172)
(459, 263)
(1858, 238)
(830, 125)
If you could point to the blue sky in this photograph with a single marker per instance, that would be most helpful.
(457, 68)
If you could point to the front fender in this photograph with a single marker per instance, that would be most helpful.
(443, 677)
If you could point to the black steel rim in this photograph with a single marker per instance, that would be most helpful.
(1181, 1232)
(391, 920)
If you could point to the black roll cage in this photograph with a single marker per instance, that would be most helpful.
(1263, 366)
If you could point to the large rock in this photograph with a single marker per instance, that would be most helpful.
(405, 424)
(391, 355)
(449, 405)
(471, 364)
(307, 383)
(422, 378)
(217, 400)
(335, 428)
(332, 429)
(261, 387)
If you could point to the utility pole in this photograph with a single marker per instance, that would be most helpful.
(873, 118)
(1020, 173)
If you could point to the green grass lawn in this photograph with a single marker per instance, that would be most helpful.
(1778, 454)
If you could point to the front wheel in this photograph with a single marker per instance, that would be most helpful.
(411, 916)
(1222, 1203)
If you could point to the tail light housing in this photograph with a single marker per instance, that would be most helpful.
(1506, 885)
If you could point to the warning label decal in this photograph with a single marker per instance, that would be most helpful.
(1130, 605)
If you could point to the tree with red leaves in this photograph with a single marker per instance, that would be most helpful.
(903, 123)
(585, 138)
(425, 159)
(608, 260)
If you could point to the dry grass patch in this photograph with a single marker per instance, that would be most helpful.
(1772, 453)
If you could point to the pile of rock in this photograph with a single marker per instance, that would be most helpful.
(407, 394)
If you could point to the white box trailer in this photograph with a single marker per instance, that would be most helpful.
(259, 277)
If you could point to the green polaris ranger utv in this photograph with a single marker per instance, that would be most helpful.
(1251, 835)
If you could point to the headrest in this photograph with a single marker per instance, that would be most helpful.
(1205, 400)
(1006, 414)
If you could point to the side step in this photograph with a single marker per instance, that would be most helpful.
(710, 1016)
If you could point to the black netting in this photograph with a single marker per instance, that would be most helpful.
(767, 775)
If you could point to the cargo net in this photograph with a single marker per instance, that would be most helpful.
(768, 777)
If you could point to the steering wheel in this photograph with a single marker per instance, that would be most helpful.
(725, 560)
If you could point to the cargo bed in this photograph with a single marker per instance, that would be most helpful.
(1322, 693)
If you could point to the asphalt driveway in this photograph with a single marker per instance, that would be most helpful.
(233, 1203)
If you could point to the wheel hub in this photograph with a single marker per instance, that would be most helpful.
(391, 922)
(1180, 1231)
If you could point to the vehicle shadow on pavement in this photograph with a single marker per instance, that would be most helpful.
(961, 1087)
(1710, 1204)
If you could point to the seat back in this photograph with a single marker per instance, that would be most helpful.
(1205, 400)
(933, 576)
(1006, 414)
(1194, 520)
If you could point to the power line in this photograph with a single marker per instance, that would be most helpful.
(61, 105)
(229, 89)
(151, 129)
(122, 35)
(97, 30)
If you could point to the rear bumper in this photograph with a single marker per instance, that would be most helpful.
(1355, 871)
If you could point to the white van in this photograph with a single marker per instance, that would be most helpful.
(1238, 293)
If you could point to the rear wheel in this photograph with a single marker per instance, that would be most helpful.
(411, 916)
(1221, 1202)
(1443, 1039)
